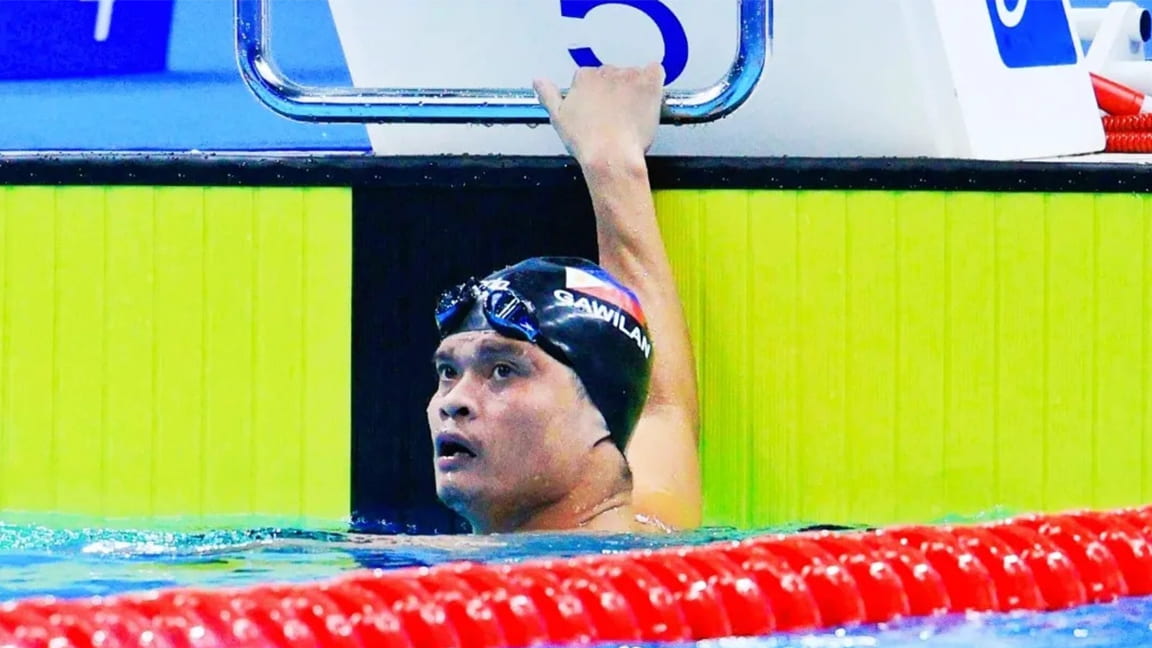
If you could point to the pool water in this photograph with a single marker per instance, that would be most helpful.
(40, 560)
(70, 562)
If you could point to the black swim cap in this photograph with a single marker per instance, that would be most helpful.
(575, 311)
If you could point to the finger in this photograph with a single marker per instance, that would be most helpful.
(655, 72)
(584, 73)
(549, 95)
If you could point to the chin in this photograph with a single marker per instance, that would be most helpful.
(454, 496)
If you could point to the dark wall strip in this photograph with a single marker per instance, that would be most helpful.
(446, 172)
(408, 245)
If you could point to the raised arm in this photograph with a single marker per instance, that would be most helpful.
(608, 121)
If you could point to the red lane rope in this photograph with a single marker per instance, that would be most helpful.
(1128, 124)
(1128, 142)
(1128, 133)
(747, 588)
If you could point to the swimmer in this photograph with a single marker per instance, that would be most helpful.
(566, 395)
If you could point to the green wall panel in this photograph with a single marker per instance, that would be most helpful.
(879, 357)
(175, 351)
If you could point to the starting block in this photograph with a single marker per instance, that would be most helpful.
(976, 79)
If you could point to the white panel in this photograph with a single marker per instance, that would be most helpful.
(844, 77)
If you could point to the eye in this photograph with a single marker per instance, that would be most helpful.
(503, 370)
(445, 371)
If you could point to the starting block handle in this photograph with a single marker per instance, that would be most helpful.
(469, 106)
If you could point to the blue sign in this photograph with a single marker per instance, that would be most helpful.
(80, 38)
(671, 32)
(1032, 33)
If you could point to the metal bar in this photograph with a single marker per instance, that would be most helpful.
(480, 105)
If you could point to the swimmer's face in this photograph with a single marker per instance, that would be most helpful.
(511, 427)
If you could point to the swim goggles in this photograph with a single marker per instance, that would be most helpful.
(506, 311)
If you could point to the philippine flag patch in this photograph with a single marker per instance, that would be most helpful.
(603, 288)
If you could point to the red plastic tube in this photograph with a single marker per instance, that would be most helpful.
(836, 593)
(702, 607)
(1128, 129)
(368, 618)
(1016, 587)
(564, 616)
(757, 586)
(792, 602)
(78, 630)
(421, 615)
(613, 615)
(747, 607)
(169, 612)
(472, 616)
(652, 602)
(923, 585)
(511, 602)
(881, 589)
(1095, 564)
(1055, 574)
(1118, 99)
(969, 585)
(1130, 548)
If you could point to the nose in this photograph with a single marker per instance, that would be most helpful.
(459, 401)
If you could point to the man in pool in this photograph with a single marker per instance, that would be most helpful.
(562, 404)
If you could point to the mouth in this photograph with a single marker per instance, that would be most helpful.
(452, 447)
